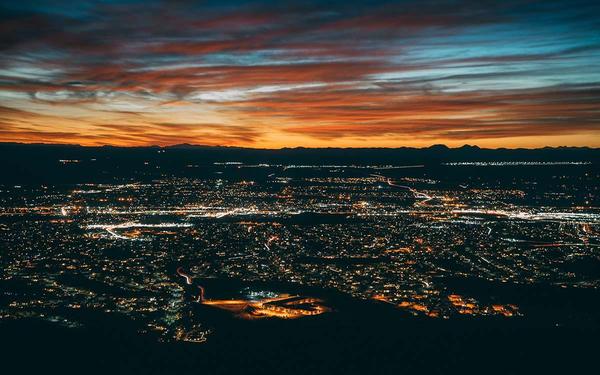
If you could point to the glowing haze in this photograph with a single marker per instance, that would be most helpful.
(301, 73)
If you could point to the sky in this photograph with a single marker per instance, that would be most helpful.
(272, 74)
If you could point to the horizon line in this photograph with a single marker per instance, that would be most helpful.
(182, 145)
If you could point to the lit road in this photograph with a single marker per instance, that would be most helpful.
(188, 278)
(417, 194)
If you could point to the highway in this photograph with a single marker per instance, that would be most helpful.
(417, 194)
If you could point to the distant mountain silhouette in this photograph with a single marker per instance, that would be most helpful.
(436, 147)
(44, 163)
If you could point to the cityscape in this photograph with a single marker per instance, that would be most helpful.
(369, 187)
(435, 242)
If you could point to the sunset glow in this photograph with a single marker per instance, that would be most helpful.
(307, 73)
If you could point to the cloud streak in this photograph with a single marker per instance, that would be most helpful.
(276, 74)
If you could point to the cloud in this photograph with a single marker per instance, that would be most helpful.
(266, 73)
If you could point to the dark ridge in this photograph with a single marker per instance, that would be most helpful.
(52, 163)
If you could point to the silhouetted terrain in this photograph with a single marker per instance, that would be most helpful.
(39, 163)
